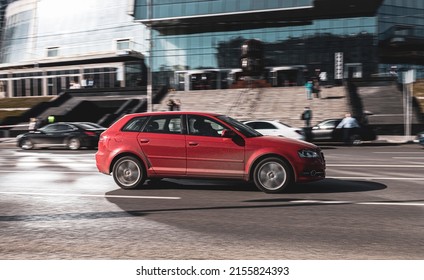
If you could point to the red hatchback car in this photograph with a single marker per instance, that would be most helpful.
(203, 145)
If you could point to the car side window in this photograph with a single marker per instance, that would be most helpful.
(204, 126)
(264, 125)
(59, 128)
(170, 124)
(330, 125)
(135, 124)
(49, 128)
(66, 127)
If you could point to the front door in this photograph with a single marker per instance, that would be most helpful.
(209, 154)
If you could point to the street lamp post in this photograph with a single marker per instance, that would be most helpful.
(408, 81)
(150, 67)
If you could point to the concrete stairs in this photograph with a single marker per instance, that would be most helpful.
(283, 103)
(373, 97)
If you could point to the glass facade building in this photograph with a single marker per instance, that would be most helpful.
(197, 43)
(47, 44)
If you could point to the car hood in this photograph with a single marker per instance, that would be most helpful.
(278, 141)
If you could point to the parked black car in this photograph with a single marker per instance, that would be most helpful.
(326, 131)
(420, 138)
(73, 135)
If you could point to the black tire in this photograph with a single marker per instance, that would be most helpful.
(26, 144)
(74, 143)
(272, 175)
(129, 173)
(355, 140)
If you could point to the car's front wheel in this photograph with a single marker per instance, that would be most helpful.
(128, 172)
(355, 140)
(272, 175)
(26, 144)
(74, 143)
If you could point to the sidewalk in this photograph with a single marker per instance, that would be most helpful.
(394, 139)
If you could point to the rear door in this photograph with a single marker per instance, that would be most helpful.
(163, 144)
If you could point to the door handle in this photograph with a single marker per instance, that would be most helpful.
(144, 140)
(193, 143)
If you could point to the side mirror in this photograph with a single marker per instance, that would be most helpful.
(227, 133)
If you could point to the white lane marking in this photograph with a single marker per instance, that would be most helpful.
(417, 152)
(378, 165)
(48, 171)
(409, 157)
(359, 203)
(392, 203)
(175, 198)
(378, 178)
(322, 201)
(90, 195)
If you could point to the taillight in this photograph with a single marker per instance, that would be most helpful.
(90, 133)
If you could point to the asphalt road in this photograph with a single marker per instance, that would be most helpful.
(55, 205)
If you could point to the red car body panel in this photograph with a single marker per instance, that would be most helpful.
(165, 153)
(267, 145)
(214, 157)
(184, 155)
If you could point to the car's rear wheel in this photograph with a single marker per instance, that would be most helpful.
(355, 140)
(272, 175)
(74, 143)
(128, 172)
(26, 144)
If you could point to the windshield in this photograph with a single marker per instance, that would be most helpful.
(284, 124)
(242, 128)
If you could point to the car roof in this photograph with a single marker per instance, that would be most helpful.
(78, 124)
(267, 121)
(175, 113)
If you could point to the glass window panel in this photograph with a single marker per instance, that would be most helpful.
(190, 8)
(123, 44)
(52, 52)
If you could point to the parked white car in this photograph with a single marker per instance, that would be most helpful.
(276, 128)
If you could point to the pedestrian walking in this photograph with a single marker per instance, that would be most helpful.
(171, 104)
(348, 125)
(316, 88)
(177, 105)
(307, 116)
(308, 88)
(32, 124)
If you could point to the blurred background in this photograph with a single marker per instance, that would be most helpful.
(96, 60)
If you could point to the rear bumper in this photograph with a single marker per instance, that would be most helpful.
(101, 163)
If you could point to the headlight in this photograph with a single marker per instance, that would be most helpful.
(308, 154)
